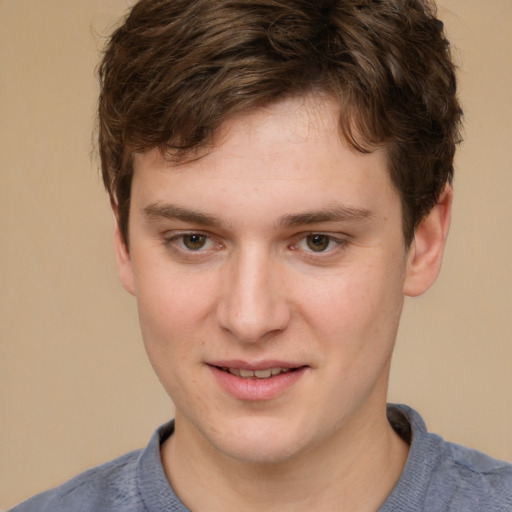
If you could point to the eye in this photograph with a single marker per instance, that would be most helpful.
(190, 242)
(319, 243)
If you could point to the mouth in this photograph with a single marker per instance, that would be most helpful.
(266, 373)
(260, 381)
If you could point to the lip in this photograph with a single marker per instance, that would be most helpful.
(256, 390)
(256, 365)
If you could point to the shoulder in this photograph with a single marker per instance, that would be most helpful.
(472, 478)
(135, 482)
(440, 475)
(109, 487)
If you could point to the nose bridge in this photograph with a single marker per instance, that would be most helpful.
(252, 304)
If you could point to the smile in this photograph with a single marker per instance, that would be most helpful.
(257, 374)
(260, 381)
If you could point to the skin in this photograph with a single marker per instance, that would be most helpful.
(280, 246)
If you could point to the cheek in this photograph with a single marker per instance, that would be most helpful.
(172, 308)
(171, 315)
(167, 288)
(356, 307)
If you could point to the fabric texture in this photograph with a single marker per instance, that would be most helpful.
(438, 477)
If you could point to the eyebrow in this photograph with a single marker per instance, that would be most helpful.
(170, 211)
(336, 213)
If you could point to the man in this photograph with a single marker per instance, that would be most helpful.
(280, 174)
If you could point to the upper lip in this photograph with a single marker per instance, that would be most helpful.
(254, 365)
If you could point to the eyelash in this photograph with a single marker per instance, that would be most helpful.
(176, 243)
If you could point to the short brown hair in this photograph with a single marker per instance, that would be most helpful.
(175, 70)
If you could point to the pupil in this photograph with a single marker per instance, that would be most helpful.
(318, 242)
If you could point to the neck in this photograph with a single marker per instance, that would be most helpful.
(355, 469)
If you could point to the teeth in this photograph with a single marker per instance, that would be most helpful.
(263, 374)
(256, 374)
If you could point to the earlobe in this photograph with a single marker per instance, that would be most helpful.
(123, 259)
(426, 251)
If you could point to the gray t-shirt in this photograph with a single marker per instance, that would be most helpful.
(438, 476)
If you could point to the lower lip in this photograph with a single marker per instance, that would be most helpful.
(255, 390)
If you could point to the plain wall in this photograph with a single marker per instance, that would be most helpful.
(75, 386)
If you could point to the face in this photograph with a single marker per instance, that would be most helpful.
(269, 276)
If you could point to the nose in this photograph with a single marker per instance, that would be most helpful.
(253, 305)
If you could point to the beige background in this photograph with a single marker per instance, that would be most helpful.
(75, 387)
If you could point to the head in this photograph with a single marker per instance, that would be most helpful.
(277, 170)
(176, 71)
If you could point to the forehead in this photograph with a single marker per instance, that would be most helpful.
(291, 150)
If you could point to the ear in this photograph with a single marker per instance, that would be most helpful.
(123, 259)
(426, 252)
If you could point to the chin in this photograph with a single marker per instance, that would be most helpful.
(260, 441)
(262, 452)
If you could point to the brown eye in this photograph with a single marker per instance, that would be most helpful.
(318, 243)
(194, 242)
